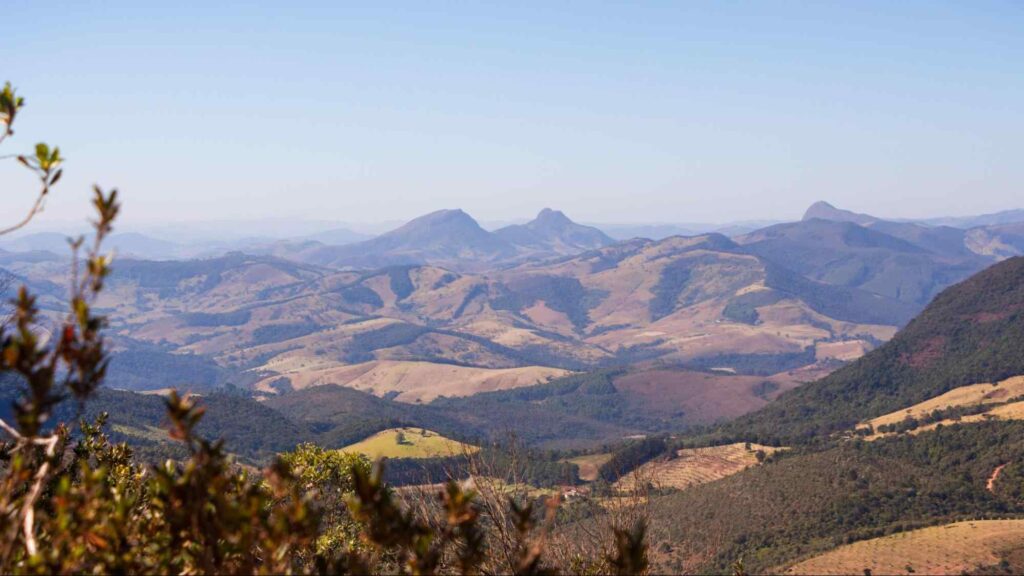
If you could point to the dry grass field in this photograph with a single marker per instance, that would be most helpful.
(704, 397)
(151, 433)
(975, 394)
(1011, 411)
(589, 465)
(419, 381)
(950, 549)
(693, 466)
(418, 443)
(964, 396)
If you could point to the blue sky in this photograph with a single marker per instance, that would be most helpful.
(613, 112)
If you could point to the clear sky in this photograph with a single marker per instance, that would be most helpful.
(614, 112)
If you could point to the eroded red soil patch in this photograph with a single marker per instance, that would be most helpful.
(929, 352)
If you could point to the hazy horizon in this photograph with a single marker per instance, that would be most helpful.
(655, 113)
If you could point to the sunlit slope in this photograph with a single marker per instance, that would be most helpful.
(409, 443)
(414, 381)
(987, 393)
(589, 465)
(967, 404)
(950, 549)
(693, 466)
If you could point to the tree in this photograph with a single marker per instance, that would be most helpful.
(328, 478)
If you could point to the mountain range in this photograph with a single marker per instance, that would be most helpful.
(442, 299)
(868, 371)
(453, 239)
(550, 233)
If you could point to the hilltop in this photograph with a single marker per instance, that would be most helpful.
(825, 211)
(409, 443)
(552, 232)
(453, 239)
(445, 236)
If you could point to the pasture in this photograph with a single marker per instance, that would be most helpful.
(408, 443)
(949, 549)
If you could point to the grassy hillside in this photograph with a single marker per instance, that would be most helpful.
(970, 333)
(690, 467)
(950, 549)
(589, 465)
(409, 443)
(964, 397)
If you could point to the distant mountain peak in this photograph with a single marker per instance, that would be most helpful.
(548, 216)
(446, 215)
(553, 231)
(824, 211)
(450, 236)
(820, 206)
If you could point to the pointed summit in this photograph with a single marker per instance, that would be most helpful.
(550, 218)
(445, 232)
(446, 237)
(552, 231)
(824, 211)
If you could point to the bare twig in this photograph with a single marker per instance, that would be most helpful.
(37, 207)
(28, 522)
(28, 506)
(10, 430)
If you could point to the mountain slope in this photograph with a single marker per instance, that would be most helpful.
(991, 236)
(1002, 241)
(970, 333)
(338, 237)
(911, 266)
(448, 237)
(697, 301)
(994, 219)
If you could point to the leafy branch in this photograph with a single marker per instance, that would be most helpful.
(74, 354)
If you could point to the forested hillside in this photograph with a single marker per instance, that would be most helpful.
(805, 502)
(970, 333)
